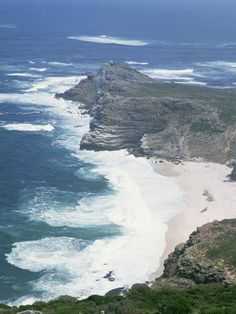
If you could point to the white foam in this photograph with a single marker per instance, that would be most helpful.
(141, 204)
(104, 39)
(219, 63)
(227, 64)
(89, 211)
(21, 74)
(28, 127)
(219, 68)
(136, 63)
(10, 26)
(55, 63)
(55, 84)
(38, 69)
(192, 83)
(59, 249)
(167, 74)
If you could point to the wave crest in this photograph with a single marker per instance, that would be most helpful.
(21, 74)
(28, 127)
(103, 39)
(10, 26)
(136, 63)
(34, 255)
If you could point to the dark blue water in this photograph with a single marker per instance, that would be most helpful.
(47, 188)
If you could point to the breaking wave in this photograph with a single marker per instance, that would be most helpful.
(104, 39)
(28, 127)
(136, 63)
(166, 74)
(10, 26)
(219, 64)
(58, 249)
(55, 63)
(38, 69)
(191, 82)
(21, 74)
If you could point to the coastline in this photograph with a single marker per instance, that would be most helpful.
(159, 203)
(207, 194)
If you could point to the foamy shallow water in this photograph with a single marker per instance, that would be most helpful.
(140, 203)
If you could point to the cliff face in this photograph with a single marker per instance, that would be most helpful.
(115, 118)
(208, 256)
(131, 110)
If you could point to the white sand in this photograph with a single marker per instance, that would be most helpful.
(208, 196)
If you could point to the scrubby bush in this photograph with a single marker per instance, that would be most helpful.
(201, 299)
(178, 306)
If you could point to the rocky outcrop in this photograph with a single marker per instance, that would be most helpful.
(208, 256)
(130, 110)
(233, 173)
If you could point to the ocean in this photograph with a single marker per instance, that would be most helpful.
(79, 222)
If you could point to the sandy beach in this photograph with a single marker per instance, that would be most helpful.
(208, 196)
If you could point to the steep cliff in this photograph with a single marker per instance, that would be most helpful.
(130, 110)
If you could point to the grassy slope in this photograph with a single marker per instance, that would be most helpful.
(224, 246)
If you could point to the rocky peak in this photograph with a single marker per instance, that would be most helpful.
(112, 71)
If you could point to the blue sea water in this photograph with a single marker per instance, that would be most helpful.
(67, 217)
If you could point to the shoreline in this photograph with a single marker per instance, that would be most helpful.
(207, 194)
(202, 188)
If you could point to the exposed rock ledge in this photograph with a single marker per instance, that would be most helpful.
(130, 110)
(208, 256)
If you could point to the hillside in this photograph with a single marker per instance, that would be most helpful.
(208, 256)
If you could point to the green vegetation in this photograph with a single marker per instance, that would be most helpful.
(224, 247)
(201, 299)
(223, 100)
(203, 126)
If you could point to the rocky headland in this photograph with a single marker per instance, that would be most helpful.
(172, 121)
